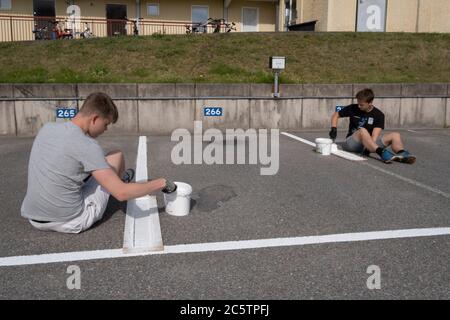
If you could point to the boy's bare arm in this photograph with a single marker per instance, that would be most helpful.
(334, 119)
(122, 191)
(376, 133)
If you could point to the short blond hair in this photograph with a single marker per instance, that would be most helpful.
(101, 103)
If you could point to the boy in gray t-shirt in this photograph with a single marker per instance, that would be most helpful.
(69, 177)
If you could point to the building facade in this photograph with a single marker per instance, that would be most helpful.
(104, 17)
(391, 15)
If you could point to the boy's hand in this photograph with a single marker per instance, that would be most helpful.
(170, 187)
(333, 133)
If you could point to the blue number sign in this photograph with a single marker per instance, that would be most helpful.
(212, 111)
(65, 113)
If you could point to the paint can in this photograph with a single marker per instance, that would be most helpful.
(323, 146)
(334, 147)
(178, 203)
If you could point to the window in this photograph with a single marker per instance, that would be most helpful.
(5, 4)
(200, 14)
(153, 9)
(250, 17)
(199, 17)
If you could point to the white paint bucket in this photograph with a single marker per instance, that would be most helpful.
(323, 146)
(178, 203)
(334, 147)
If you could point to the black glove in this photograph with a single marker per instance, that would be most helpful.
(333, 133)
(170, 187)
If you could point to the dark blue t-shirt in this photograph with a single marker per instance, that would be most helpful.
(360, 119)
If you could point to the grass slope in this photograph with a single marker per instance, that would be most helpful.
(231, 58)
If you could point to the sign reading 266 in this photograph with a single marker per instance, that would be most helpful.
(212, 111)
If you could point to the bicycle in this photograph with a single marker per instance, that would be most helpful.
(39, 33)
(135, 27)
(218, 23)
(230, 27)
(215, 23)
(62, 33)
(197, 27)
(87, 33)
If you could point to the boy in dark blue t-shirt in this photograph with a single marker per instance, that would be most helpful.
(365, 130)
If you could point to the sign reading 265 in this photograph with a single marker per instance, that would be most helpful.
(65, 113)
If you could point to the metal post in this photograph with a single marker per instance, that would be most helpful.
(11, 25)
(417, 16)
(276, 93)
(138, 14)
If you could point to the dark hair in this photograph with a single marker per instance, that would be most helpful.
(101, 103)
(365, 95)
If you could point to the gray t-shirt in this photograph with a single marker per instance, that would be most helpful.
(62, 156)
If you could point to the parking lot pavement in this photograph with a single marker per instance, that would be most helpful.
(310, 195)
(409, 269)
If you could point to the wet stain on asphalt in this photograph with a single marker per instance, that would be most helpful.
(211, 198)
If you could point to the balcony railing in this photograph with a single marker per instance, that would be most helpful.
(26, 28)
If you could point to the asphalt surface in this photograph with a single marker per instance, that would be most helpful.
(310, 195)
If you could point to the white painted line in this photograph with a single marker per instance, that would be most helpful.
(413, 131)
(339, 153)
(225, 246)
(141, 161)
(300, 241)
(299, 139)
(60, 257)
(346, 154)
(142, 227)
(411, 181)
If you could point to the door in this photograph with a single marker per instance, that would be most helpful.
(116, 19)
(44, 15)
(250, 17)
(200, 15)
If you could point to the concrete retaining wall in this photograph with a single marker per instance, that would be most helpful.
(128, 110)
(161, 117)
(447, 121)
(235, 113)
(32, 115)
(272, 114)
(423, 112)
(6, 91)
(7, 118)
(161, 108)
